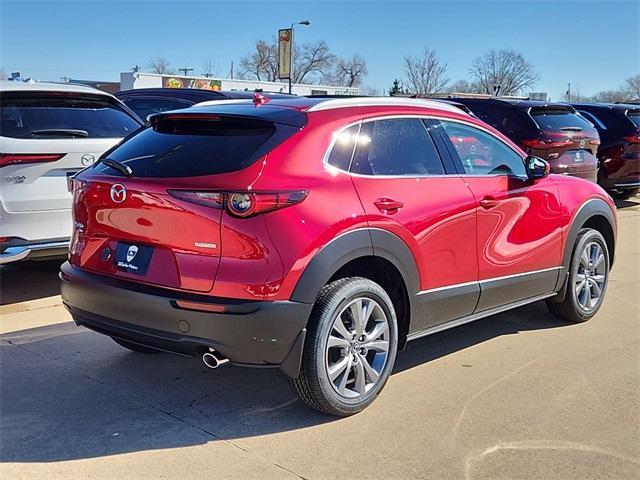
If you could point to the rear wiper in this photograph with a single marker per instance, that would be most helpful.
(571, 129)
(121, 167)
(62, 132)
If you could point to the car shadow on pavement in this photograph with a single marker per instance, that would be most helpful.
(68, 393)
(24, 281)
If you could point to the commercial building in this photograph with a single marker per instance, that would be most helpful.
(131, 80)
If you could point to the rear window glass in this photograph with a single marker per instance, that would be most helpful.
(188, 148)
(46, 117)
(559, 120)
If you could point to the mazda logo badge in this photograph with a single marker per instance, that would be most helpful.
(87, 159)
(118, 193)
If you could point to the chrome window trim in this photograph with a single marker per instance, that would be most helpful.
(337, 133)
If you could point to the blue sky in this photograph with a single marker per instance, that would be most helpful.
(594, 45)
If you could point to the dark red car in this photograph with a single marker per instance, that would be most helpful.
(619, 153)
(318, 236)
(554, 132)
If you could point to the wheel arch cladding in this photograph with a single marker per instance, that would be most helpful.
(350, 252)
(594, 213)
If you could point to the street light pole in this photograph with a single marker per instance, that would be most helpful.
(302, 22)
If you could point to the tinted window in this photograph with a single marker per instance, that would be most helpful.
(147, 106)
(593, 119)
(558, 120)
(481, 153)
(342, 150)
(48, 117)
(185, 148)
(400, 146)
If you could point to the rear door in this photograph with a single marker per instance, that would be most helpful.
(45, 137)
(519, 222)
(405, 188)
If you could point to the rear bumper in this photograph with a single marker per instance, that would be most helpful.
(251, 333)
(34, 250)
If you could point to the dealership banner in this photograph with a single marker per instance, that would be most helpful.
(183, 82)
(285, 40)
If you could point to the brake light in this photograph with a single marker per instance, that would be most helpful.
(7, 159)
(74, 185)
(242, 204)
(543, 144)
(632, 138)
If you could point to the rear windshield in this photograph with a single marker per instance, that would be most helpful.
(559, 120)
(188, 148)
(46, 117)
(145, 106)
(635, 118)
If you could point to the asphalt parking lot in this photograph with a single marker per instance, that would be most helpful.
(518, 395)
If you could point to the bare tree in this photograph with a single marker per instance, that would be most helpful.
(312, 61)
(632, 87)
(464, 86)
(425, 74)
(160, 65)
(349, 72)
(208, 67)
(610, 96)
(262, 63)
(506, 68)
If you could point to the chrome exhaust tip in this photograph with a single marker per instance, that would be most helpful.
(212, 359)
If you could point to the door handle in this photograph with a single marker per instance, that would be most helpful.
(489, 202)
(388, 205)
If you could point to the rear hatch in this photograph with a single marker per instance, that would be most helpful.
(151, 210)
(47, 136)
(565, 138)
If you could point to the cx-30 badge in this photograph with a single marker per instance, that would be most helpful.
(118, 193)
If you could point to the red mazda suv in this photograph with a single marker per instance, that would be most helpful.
(319, 236)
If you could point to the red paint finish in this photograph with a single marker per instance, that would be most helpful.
(458, 228)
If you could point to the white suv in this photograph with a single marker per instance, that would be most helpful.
(48, 132)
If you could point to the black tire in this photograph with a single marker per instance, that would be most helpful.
(134, 347)
(570, 308)
(313, 385)
(627, 193)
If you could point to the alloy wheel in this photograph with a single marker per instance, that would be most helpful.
(357, 347)
(590, 278)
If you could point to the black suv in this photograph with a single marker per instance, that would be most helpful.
(552, 131)
(147, 101)
(619, 153)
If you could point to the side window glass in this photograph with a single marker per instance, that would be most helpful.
(342, 149)
(481, 153)
(397, 146)
(593, 119)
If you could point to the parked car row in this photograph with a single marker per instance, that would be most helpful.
(597, 142)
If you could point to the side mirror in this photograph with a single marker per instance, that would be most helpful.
(537, 167)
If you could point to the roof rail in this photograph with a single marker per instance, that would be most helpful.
(333, 103)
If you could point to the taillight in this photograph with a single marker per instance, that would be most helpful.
(632, 138)
(22, 158)
(73, 184)
(242, 204)
(542, 144)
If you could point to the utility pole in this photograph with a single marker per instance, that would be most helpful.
(569, 93)
(186, 70)
(231, 73)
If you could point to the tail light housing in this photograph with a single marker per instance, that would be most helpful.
(537, 143)
(7, 159)
(242, 204)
